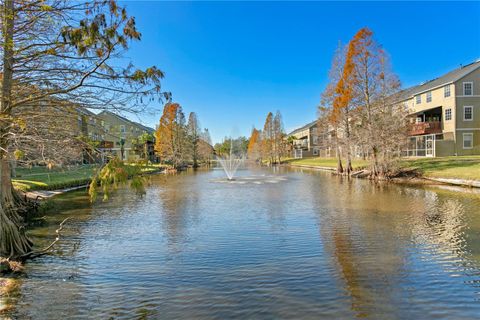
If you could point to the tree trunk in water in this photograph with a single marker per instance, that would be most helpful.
(339, 165)
(375, 162)
(13, 241)
(349, 168)
(339, 158)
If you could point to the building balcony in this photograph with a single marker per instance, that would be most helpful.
(105, 144)
(429, 127)
(301, 144)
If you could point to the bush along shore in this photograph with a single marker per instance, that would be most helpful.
(461, 171)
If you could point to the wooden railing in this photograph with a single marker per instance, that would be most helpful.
(431, 127)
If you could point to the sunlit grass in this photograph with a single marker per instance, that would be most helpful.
(42, 178)
(326, 162)
(467, 167)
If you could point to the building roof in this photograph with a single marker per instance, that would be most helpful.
(307, 126)
(147, 129)
(447, 78)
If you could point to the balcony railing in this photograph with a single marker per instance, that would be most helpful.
(301, 144)
(430, 127)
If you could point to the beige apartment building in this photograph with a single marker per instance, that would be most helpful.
(445, 114)
(312, 141)
(115, 133)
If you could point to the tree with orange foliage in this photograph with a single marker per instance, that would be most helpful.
(254, 145)
(382, 125)
(344, 95)
(170, 135)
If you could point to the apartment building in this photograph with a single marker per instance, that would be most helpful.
(118, 135)
(445, 114)
(312, 141)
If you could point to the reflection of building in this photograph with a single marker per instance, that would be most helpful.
(445, 114)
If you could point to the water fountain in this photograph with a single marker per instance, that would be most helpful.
(230, 163)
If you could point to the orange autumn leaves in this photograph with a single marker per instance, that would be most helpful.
(344, 89)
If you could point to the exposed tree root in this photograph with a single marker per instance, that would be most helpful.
(37, 253)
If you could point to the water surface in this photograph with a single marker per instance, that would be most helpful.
(294, 244)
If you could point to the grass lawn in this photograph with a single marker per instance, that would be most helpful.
(326, 162)
(466, 167)
(41, 178)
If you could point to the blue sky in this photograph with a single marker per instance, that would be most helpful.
(232, 62)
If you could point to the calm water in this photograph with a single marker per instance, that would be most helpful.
(289, 244)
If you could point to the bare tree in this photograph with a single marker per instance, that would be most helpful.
(268, 137)
(382, 126)
(327, 112)
(278, 137)
(205, 148)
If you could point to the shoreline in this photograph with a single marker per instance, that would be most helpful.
(465, 184)
(46, 194)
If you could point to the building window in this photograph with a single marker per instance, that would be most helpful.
(468, 88)
(467, 113)
(429, 96)
(446, 91)
(467, 140)
(122, 129)
(102, 123)
(419, 99)
(448, 114)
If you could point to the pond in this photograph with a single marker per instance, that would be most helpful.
(283, 243)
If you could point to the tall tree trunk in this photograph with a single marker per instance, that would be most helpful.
(339, 158)
(349, 168)
(13, 241)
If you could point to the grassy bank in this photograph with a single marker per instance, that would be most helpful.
(467, 167)
(41, 178)
(325, 162)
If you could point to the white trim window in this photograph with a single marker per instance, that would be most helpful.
(429, 96)
(122, 129)
(418, 99)
(448, 114)
(467, 113)
(468, 140)
(468, 88)
(446, 91)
